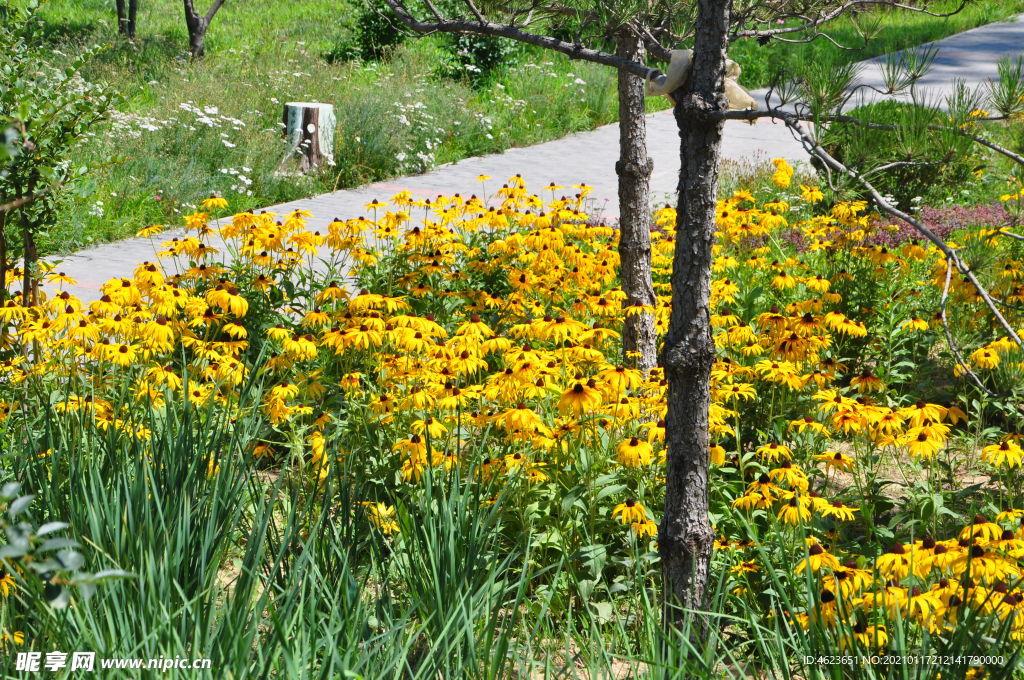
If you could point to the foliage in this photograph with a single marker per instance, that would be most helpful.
(912, 163)
(39, 569)
(52, 109)
(374, 37)
(476, 58)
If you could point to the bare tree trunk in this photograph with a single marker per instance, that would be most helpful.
(634, 170)
(133, 13)
(3, 266)
(197, 25)
(122, 17)
(685, 536)
(30, 256)
(196, 36)
(127, 10)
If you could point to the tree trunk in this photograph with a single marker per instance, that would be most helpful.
(197, 25)
(122, 17)
(30, 256)
(127, 10)
(3, 267)
(196, 38)
(133, 13)
(639, 343)
(685, 536)
(309, 128)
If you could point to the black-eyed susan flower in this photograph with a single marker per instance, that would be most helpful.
(581, 398)
(1006, 453)
(630, 511)
(634, 452)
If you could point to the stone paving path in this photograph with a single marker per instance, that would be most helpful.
(583, 157)
(971, 57)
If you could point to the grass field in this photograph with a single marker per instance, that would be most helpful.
(186, 130)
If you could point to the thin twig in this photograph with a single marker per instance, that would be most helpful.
(949, 336)
(821, 154)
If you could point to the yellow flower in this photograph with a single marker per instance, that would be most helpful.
(783, 172)
(1005, 453)
(984, 358)
(836, 461)
(817, 559)
(838, 511)
(811, 194)
(634, 453)
(6, 582)
(580, 398)
(382, 516)
(915, 324)
(214, 202)
(630, 511)
(149, 231)
(227, 299)
(15, 637)
(774, 451)
(643, 528)
(894, 564)
(796, 510)
(867, 382)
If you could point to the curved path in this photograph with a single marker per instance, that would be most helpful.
(583, 157)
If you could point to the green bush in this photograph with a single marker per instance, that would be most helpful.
(51, 111)
(373, 37)
(477, 58)
(911, 163)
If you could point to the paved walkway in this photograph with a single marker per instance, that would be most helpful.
(971, 57)
(583, 157)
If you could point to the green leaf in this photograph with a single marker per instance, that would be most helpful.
(19, 505)
(50, 527)
(603, 611)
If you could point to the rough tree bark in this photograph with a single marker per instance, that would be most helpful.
(197, 25)
(634, 171)
(127, 11)
(3, 264)
(685, 537)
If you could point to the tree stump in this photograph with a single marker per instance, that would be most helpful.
(309, 129)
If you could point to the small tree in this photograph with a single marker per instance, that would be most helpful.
(48, 110)
(197, 25)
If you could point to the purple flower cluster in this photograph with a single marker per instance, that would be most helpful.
(942, 221)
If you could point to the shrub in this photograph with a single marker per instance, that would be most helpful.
(477, 58)
(910, 164)
(373, 36)
(52, 110)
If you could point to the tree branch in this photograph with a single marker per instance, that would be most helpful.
(17, 203)
(821, 154)
(961, 362)
(497, 30)
(213, 10)
(825, 17)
